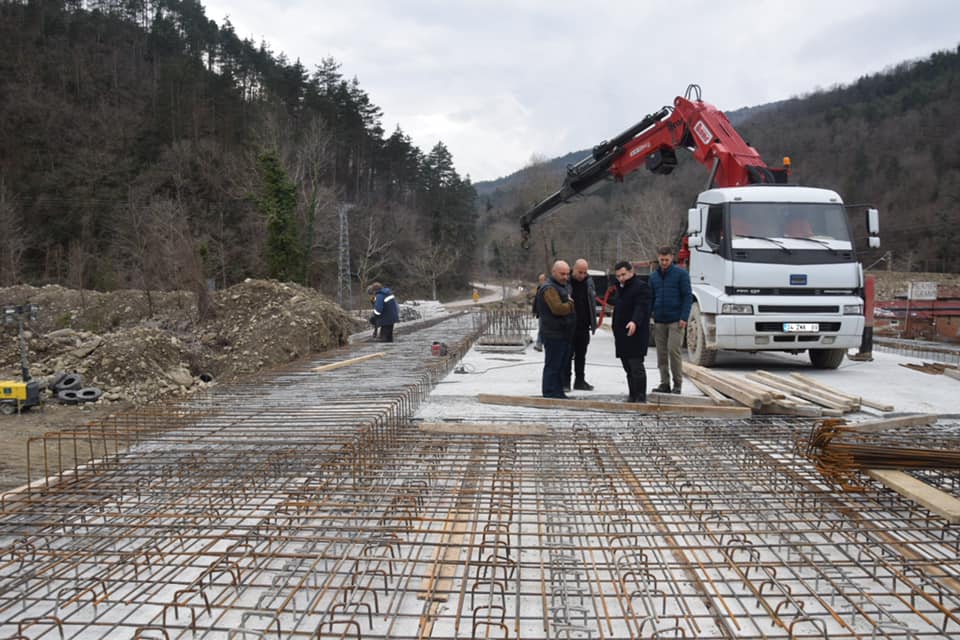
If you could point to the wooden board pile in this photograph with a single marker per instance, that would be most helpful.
(935, 368)
(766, 393)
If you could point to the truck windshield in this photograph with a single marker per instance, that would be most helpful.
(818, 221)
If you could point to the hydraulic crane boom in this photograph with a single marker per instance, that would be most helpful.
(690, 123)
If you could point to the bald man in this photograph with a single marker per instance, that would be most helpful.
(557, 319)
(584, 295)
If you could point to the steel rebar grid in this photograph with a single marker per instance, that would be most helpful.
(352, 523)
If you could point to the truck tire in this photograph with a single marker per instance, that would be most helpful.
(8, 408)
(826, 358)
(697, 349)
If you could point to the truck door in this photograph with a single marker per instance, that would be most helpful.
(706, 260)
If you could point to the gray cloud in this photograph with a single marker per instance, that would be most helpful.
(500, 81)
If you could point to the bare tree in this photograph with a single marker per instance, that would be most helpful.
(539, 181)
(12, 241)
(160, 248)
(373, 254)
(431, 263)
(650, 220)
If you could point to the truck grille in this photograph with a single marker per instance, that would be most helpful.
(775, 308)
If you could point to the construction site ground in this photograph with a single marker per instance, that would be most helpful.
(369, 492)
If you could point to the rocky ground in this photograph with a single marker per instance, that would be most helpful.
(139, 348)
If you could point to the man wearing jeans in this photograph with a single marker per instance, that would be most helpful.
(672, 299)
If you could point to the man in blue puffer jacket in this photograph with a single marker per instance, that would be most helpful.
(672, 299)
(386, 311)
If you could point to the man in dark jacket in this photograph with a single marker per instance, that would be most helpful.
(557, 321)
(584, 295)
(631, 328)
(386, 311)
(672, 299)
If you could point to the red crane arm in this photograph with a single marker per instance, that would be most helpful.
(692, 124)
(707, 133)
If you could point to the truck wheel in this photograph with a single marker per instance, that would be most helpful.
(8, 408)
(697, 348)
(827, 358)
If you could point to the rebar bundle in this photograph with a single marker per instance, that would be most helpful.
(840, 451)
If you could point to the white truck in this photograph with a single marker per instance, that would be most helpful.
(772, 266)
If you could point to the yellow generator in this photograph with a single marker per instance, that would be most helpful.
(17, 396)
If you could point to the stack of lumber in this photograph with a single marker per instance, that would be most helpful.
(767, 393)
(935, 368)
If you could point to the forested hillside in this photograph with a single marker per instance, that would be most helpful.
(143, 145)
(888, 139)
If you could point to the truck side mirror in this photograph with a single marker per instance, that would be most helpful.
(694, 223)
(873, 228)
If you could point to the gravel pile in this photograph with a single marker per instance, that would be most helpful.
(140, 347)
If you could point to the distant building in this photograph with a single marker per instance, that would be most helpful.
(924, 319)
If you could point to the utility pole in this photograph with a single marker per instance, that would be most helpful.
(14, 314)
(344, 293)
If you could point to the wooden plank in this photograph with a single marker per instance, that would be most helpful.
(778, 408)
(863, 401)
(726, 387)
(615, 407)
(347, 363)
(852, 403)
(941, 503)
(811, 396)
(655, 397)
(717, 397)
(816, 384)
(874, 426)
(485, 428)
(438, 583)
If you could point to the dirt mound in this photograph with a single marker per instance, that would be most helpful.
(139, 347)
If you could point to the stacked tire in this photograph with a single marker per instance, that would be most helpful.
(69, 389)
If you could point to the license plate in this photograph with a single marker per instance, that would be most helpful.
(800, 327)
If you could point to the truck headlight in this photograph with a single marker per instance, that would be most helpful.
(853, 309)
(736, 309)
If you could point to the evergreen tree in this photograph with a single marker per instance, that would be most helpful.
(277, 203)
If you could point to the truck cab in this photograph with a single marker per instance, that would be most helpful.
(773, 268)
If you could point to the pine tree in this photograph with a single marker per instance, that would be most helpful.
(277, 203)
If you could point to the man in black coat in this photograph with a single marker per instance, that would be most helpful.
(584, 295)
(631, 328)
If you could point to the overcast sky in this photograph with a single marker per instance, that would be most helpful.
(499, 81)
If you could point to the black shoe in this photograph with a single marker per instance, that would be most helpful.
(663, 388)
(582, 385)
(676, 390)
(538, 347)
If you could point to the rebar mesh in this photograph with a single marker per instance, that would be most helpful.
(309, 505)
